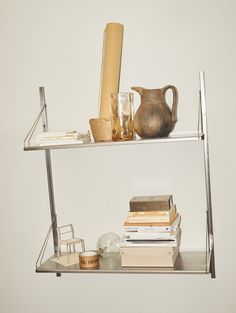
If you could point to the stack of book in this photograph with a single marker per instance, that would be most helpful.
(152, 232)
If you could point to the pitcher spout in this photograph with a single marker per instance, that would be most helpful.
(138, 89)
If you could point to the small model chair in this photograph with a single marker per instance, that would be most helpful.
(67, 237)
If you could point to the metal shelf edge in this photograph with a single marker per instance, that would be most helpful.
(173, 138)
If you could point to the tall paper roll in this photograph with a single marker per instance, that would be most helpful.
(111, 63)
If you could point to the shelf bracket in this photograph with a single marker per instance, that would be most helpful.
(207, 172)
(49, 173)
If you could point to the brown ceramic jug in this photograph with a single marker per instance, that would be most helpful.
(154, 118)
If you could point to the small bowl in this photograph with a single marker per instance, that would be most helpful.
(101, 129)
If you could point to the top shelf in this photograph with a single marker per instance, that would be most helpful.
(197, 135)
(175, 137)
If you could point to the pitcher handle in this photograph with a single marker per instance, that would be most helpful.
(175, 101)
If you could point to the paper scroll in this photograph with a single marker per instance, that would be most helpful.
(111, 63)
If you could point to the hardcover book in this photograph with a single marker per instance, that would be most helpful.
(152, 235)
(155, 243)
(152, 229)
(152, 216)
(154, 222)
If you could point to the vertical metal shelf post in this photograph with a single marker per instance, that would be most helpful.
(207, 173)
(49, 174)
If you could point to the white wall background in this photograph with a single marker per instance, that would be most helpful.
(58, 44)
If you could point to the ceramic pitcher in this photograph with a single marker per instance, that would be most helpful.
(154, 118)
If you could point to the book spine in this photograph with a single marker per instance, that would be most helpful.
(148, 213)
(150, 223)
(149, 244)
(137, 236)
(161, 218)
(152, 243)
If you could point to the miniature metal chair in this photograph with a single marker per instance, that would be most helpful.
(67, 237)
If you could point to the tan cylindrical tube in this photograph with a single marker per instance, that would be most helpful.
(111, 63)
(89, 259)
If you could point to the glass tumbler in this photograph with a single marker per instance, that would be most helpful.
(122, 116)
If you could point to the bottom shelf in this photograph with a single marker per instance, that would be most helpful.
(191, 262)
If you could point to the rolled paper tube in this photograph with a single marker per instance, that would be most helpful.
(111, 63)
(89, 259)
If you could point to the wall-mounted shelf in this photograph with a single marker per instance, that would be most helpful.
(194, 262)
(198, 262)
(176, 137)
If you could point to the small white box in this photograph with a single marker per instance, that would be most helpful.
(148, 256)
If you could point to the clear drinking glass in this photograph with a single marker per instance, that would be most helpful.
(122, 116)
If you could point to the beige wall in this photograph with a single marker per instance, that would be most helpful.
(57, 44)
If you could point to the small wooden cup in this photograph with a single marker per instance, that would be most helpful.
(89, 259)
(101, 129)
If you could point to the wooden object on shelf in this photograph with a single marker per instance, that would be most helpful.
(149, 256)
(111, 63)
(101, 129)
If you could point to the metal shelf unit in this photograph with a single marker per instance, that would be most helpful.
(194, 262)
